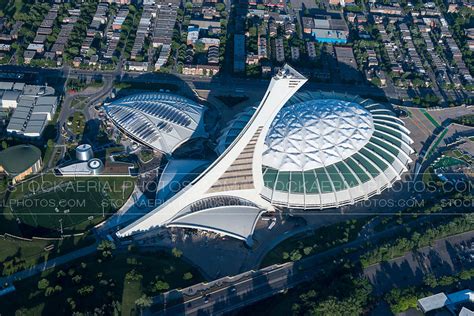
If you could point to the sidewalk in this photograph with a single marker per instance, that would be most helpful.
(48, 264)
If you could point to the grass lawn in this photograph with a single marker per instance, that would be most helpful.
(447, 161)
(47, 154)
(460, 155)
(296, 247)
(76, 204)
(146, 155)
(131, 291)
(77, 123)
(95, 282)
(437, 142)
(430, 118)
(428, 176)
(17, 255)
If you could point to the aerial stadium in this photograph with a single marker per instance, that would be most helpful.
(305, 151)
(327, 150)
(162, 121)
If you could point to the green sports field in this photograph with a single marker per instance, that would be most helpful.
(76, 204)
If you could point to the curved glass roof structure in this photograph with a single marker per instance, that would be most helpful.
(328, 150)
(233, 129)
(161, 121)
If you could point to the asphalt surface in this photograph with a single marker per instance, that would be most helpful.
(442, 258)
(231, 293)
(221, 84)
(51, 263)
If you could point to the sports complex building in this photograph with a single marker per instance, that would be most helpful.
(328, 150)
(161, 121)
(305, 151)
(20, 161)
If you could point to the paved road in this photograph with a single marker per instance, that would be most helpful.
(222, 84)
(227, 294)
(442, 258)
(51, 263)
(67, 111)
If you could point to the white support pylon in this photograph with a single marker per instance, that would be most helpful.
(238, 171)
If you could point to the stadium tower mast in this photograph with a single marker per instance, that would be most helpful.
(237, 173)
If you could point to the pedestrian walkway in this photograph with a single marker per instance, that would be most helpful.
(52, 263)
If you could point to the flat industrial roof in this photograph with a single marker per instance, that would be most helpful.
(11, 95)
(433, 302)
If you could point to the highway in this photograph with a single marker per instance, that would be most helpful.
(231, 293)
(223, 84)
(241, 291)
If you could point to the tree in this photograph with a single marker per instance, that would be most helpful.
(187, 276)
(220, 7)
(77, 279)
(4, 145)
(143, 302)
(43, 284)
(307, 250)
(49, 291)
(430, 280)
(160, 286)
(133, 276)
(86, 290)
(176, 252)
(295, 255)
(106, 247)
(199, 47)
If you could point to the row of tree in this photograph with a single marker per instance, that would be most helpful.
(400, 300)
(419, 237)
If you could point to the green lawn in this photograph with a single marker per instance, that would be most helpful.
(448, 162)
(131, 291)
(16, 254)
(460, 155)
(430, 118)
(106, 278)
(77, 123)
(146, 155)
(319, 240)
(437, 142)
(428, 176)
(76, 204)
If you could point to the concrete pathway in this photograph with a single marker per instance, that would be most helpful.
(51, 263)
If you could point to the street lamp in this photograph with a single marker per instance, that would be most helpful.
(61, 226)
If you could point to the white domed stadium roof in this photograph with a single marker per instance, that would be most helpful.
(327, 150)
(316, 133)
